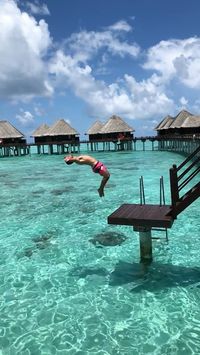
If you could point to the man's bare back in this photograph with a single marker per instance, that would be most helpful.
(96, 166)
(85, 159)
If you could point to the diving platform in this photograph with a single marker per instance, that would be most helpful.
(144, 218)
(148, 216)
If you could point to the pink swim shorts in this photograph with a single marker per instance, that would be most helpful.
(99, 168)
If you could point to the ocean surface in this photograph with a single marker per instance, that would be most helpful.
(63, 292)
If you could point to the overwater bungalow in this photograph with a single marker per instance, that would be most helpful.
(12, 141)
(162, 127)
(115, 134)
(60, 138)
(173, 125)
(94, 131)
(185, 125)
(191, 125)
(181, 132)
(39, 134)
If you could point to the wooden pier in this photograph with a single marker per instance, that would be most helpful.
(180, 145)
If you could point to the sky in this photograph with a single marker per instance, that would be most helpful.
(86, 60)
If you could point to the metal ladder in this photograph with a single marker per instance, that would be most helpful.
(162, 202)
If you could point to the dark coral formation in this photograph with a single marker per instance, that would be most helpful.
(108, 239)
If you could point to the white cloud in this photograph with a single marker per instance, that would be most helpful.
(120, 26)
(178, 59)
(67, 120)
(85, 44)
(25, 117)
(183, 101)
(24, 43)
(129, 98)
(26, 70)
(148, 97)
(37, 9)
(39, 111)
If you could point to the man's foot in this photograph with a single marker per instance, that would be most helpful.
(101, 192)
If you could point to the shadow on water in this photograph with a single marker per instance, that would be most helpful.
(130, 168)
(62, 191)
(83, 272)
(154, 277)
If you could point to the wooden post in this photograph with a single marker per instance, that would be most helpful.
(145, 245)
(174, 188)
(50, 149)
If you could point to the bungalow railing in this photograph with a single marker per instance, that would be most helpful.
(174, 136)
(180, 178)
(107, 139)
(24, 144)
(158, 138)
(13, 144)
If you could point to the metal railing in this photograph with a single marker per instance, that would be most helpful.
(142, 194)
(162, 192)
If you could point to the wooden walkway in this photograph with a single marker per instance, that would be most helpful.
(142, 216)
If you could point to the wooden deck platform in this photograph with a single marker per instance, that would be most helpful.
(142, 216)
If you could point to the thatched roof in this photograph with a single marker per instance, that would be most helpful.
(40, 131)
(180, 118)
(115, 124)
(7, 130)
(165, 123)
(191, 122)
(61, 128)
(95, 128)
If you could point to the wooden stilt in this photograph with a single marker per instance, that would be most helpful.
(145, 244)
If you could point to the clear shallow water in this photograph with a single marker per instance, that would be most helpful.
(59, 294)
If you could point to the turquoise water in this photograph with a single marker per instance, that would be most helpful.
(61, 294)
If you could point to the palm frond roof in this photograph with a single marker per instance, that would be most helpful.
(191, 122)
(7, 130)
(95, 128)
(115, 124)
(165, 123)
(180, 118)
(40, 131)
(61, 128)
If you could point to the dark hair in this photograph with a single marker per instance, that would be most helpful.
(69, 162)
